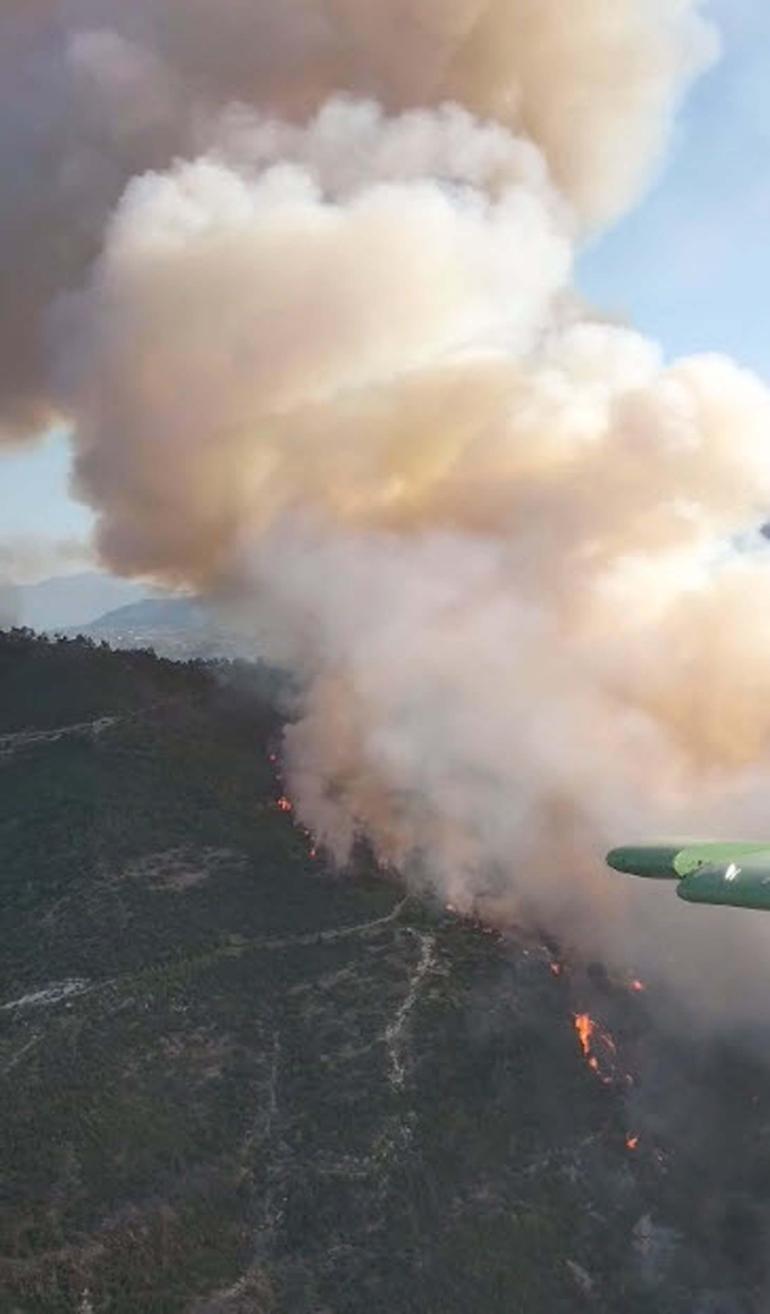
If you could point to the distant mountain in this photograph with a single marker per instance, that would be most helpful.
(72, 600)
(9, 606)
(154, 614)
(173, 627)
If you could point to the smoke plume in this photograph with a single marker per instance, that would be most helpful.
(96, 92)
(299, 278)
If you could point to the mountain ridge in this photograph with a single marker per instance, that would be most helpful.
(61, 602)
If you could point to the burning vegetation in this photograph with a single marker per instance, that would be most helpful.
(599, 1048)
(541, 1186)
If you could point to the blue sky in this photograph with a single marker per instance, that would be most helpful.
(690, 267)
(34, 497)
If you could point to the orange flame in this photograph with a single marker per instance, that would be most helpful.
(632, 1142)
(638, 987)
(557, 969)
(585, 1027)
(285, 804)
(590, 1034)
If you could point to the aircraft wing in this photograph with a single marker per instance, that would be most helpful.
(743, 881)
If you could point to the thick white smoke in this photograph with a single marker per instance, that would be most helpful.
(95, 92)
(309, 314)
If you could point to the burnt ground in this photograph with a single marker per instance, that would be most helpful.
(235, 1082)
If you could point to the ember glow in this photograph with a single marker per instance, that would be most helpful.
(599, 1048)
(285, 805)
(632, 1142)
(585, 1028)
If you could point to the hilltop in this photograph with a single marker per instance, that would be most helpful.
(65, 601)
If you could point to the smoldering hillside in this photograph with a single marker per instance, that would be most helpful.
(234, 1082)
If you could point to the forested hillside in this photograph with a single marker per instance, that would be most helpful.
(234, 1081)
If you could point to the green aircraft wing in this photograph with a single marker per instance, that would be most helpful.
(743, 882)
(735, 875)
